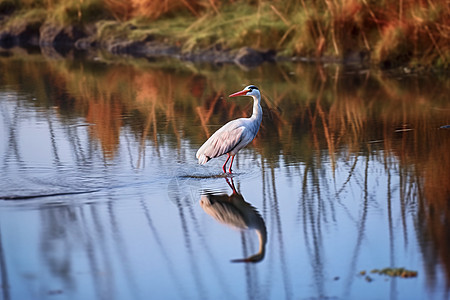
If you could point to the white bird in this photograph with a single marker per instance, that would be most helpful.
(234, 135)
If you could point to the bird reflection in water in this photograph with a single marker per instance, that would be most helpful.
(234, 211)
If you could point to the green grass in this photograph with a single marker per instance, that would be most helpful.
(394, 33)
(32, 16)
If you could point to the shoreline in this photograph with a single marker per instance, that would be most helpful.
(386, 36)
(63, 39)
(54, 40)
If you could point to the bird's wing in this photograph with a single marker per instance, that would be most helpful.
(222, 141)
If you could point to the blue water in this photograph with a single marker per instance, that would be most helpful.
(80, 219)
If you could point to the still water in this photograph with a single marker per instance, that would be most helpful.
(101, 196)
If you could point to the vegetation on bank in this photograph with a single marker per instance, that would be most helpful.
(388, 33)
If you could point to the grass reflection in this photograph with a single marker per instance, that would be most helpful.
(317, 118)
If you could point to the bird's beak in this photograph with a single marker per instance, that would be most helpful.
(241, 93)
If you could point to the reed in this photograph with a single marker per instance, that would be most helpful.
(388, 33)
(392, 32)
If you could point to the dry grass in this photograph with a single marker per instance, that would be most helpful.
(395, 33)
(392, 32)
(125, 10)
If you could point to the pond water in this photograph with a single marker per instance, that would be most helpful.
(101, 196)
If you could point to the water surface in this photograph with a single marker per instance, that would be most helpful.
(102, 197)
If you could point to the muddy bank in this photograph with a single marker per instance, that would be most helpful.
(55, 41)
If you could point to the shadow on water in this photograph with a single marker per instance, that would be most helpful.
(349, 171)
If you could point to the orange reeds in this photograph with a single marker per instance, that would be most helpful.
(388, 33)
(158, 8)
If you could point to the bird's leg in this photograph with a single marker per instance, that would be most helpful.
(231, 185)
(231, 163)
(225, 164)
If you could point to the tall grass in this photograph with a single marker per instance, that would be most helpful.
(62, 11)
(390, 32)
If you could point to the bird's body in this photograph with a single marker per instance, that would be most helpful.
(234, 135)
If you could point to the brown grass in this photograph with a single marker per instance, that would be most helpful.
(391, 33)
(159, 8)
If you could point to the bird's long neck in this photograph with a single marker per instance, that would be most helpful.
(257, 110)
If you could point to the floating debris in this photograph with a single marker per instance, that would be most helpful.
(403, 130)
(392, 272)
(82, 125)
(395, 272)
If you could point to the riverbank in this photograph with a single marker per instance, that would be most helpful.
(409, 34)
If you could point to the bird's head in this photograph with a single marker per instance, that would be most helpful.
(249, 90)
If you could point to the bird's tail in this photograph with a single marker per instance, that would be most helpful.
(202, 159)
